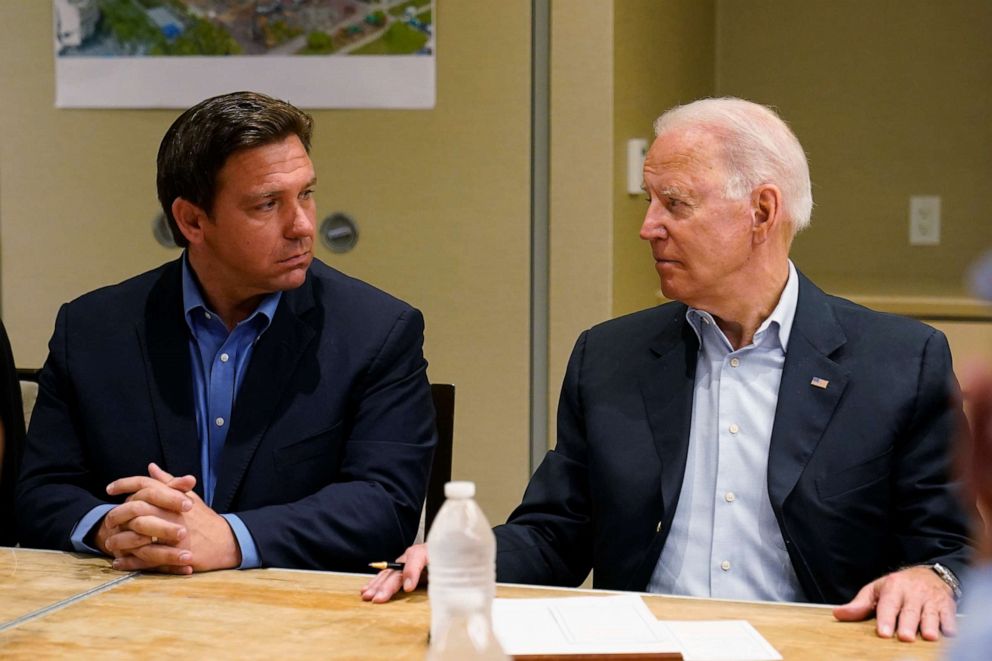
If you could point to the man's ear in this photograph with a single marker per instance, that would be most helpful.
(766, 211)
(190, 219)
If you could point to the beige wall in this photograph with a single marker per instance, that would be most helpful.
(971, 343)
(442, 198)
(890, 99)
(663, 56)
(581, 218)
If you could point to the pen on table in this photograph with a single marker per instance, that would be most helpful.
(386, 565)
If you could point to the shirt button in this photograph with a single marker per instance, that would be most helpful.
(706, 321)
(735, 362)
(208, 315)
(658, 527)
(729, 497)
(224, 358)
(734, 428)
(725, 565)
(219, 422)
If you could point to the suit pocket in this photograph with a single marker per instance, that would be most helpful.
(855, 477)
(319, 445)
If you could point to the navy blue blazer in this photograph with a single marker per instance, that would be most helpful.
(12, 418)
(858, 472)
(331, 436)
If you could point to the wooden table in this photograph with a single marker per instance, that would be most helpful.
(32, 580)
(65, 605)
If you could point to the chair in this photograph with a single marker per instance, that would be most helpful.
(28, 379)
(444, 410)
(443, 395)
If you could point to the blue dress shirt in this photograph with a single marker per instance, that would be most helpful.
(725, 541)
(219, 361)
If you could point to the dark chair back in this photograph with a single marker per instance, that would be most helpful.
(444, 410)
(29, 374)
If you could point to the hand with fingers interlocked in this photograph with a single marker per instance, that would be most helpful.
(165, 526)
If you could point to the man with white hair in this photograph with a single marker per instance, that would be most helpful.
(755, 438)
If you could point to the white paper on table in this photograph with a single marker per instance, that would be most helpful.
(579, 625)
(718, 640)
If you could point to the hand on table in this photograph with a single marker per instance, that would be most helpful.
(389, 581)
(915, 598)
(165, 526)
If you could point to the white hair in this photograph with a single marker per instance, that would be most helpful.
(759, 148)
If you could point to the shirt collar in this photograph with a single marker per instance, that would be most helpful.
(785, 312)
(193, 301)
(782, 316)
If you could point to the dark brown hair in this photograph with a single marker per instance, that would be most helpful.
(198, 144)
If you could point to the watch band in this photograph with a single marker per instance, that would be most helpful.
(948, 577)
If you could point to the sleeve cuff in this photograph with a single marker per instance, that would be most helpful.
(85, 526)
(249, 552)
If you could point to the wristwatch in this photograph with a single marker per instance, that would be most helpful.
(948, 577)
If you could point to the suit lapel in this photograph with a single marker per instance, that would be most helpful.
(666, 384)
(667, 388)
(164, 340)
(273, 363)
(812, 385)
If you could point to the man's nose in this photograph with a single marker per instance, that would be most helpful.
(653, 226)
(303, 222)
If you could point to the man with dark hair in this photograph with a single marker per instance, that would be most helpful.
(244, 405)
(197, 144)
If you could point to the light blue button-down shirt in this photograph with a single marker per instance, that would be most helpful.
(219, 361)
(725, 541)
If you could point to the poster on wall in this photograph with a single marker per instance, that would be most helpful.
(313, 53)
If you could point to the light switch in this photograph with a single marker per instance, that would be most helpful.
(637, 149)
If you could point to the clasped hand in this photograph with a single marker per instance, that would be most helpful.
(164, 526)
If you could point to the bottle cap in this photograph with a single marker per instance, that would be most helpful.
(459, 490)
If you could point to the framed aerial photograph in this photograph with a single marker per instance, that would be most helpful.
(312, 53)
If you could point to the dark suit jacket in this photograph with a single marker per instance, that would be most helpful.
(331, 436)
(12, 417)
(857, 472)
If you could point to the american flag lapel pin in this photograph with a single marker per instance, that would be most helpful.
(819, 383)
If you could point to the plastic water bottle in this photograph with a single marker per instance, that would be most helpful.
(462, 551)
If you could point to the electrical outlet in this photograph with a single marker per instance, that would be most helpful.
(924, 220)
